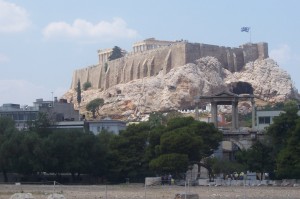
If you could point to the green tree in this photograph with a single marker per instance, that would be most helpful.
(282, 134)
(6, 125)
(156, 119)
(173, 163)
(41, 124)
(116, 53)
(7, 130)
(94, 106)
(57, 151)
(282, 127)
(86, 85)
(78, 93)
(8, 153)
(171, 115)
(76, 152)
(102, 155)
(288, 159)
(82, 154)
(258, 158)
(182, 141)
(24, 152)
(128, 151)
(225, 167)
(185, 136)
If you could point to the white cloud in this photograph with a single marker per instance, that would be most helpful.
(3, 58)
(13, 18)
(24, 92)
(282, 54)
(85, 30)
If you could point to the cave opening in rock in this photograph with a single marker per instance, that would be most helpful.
(241, 88)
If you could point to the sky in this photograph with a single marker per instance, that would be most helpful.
(43, 42)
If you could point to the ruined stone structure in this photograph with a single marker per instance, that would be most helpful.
(228, 98)
(104, 54)
(149, 57)
(149, 44)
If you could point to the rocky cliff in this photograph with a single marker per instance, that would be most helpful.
(178, 88)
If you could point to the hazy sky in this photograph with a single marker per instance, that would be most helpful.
(43, 42)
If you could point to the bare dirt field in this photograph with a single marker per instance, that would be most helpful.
(135, 191)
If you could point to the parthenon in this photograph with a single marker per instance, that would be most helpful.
(104, 54)
(149, 44)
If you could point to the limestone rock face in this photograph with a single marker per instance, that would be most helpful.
(178, 88)
(270, 83)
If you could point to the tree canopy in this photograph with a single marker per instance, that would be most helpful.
(278, 153)
(128, 152)
(94, 106)
(283, 126)
(288, 159)
(161, 145)
(258, 158)
(116, 53)
(186, 139)
(78, 90)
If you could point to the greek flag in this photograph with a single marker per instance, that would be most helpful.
(245, 29)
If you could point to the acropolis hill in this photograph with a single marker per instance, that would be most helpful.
(151, 56)
(169, 75)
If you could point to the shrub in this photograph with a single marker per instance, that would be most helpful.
(87, 85)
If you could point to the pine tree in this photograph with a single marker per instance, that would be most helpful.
(116, 53)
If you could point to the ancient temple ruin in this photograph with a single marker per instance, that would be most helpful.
(151, 56)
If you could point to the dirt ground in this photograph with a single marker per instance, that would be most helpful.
(138, 191)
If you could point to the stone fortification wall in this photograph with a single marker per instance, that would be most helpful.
(151, 62)
(132, 66)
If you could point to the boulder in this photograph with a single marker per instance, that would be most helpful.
(186, 196)
(22, 196)
(150, 181)
(56, 196)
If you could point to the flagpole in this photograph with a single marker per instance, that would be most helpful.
(247, 30)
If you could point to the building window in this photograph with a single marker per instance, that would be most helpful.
(264, 120)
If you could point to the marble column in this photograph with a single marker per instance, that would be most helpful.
(214, 113)
(253, 113)
(235, 115)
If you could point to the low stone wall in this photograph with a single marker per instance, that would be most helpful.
(222, 182)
